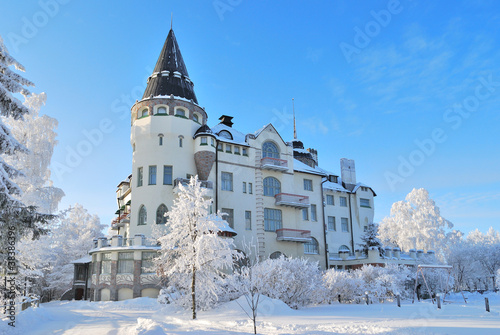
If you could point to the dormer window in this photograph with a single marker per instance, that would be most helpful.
(225, 134)
(161, 110)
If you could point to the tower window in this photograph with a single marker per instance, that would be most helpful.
(229, 149)
(144, 112)
(143, 216)
(161, 110)
(311, 247)
(248, 220)
(195, 118)
(167, 175)
(245, 152)
(236, 150)
(180, 112)
(160, 139)
(180, 140)
(161, 214)
(139, 176)
(152, 175)
(203, 141)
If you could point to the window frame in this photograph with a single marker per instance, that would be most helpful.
(248, 220)
(140, 176)
(229, 217)
(142, 216)
(226, 185)
(331, 224)
(344, 225)
(361, 200)
(152, 175)
(125, 264)
(330, 203)
(165, 169)
(271, 150)
(164, 219)
(305, 214)
(308, 185)
(272, 186)
(312, 247)
(273, 222)
(343, 201)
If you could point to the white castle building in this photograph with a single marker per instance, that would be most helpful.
(272, 189)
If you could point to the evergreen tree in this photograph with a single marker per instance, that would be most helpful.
(370, 239)
(16, 219)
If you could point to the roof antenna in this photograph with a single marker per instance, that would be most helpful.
(294, 127)
(171, 19)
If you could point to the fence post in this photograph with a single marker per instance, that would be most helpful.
(399, 300)
(487, 304)
(438, 298)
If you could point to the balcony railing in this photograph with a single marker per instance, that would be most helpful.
(293, 235)
(277, 164)
(120, 221)
(185, 182)
(292, 200)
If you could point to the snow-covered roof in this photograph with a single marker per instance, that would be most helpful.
(301, 167)
(334, 186)
(83, 260)
(358, 185)
(238, 137)
(223, 225)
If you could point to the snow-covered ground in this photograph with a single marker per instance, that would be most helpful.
(146, 316)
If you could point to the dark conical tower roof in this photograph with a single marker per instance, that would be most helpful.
(170, 75)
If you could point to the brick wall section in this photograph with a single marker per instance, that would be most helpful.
(204, 161)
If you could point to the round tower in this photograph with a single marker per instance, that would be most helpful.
(163, 127)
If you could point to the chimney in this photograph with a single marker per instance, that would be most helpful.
(348, 171)
(226, 120)
(314, 154)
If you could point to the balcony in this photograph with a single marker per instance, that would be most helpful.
(292, 200)
(276, 164)
(120, 221)
(185, 182)
(293, 235)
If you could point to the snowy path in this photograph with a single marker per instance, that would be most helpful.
(145, 316)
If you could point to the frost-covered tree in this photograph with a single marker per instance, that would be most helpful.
(486, 251)
(370, 239)
(37, 134)
(70, 238)
(416, 223)
(13, 213)
(193, 255)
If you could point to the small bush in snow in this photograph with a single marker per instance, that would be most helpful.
(294, 281)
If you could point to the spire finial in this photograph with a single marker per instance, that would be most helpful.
(294, 127)
(171, 19)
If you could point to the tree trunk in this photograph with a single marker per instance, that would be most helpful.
(193, 291)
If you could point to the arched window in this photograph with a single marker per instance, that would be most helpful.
(180, 140)
(161, 214)
(276, 255)
(311, 247)
(225, 134)
(269, 149)
(143, 216)
(196, 117)
(144, 112)
(161, 110)
(272, 186)
(344, 248)
(180, 112)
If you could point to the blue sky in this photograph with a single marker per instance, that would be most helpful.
(408, 89)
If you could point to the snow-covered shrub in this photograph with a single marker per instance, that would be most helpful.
(295, 281)
(379, 282)
(341, 283)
